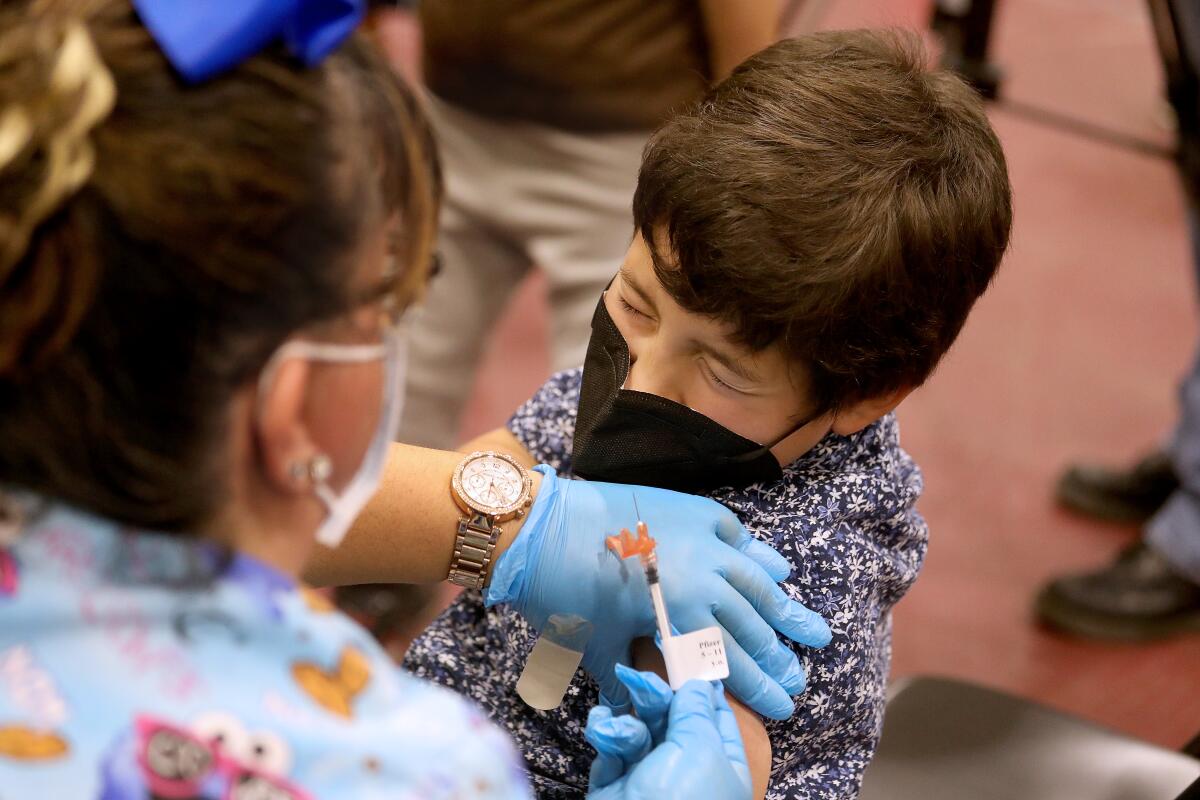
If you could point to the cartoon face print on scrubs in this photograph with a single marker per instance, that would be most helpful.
(625, 436)
(214, 757)
(277, 697)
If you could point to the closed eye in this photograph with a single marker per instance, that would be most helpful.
(712, 376)
(625, 304)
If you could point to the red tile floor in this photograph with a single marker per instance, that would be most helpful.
(1073, 354)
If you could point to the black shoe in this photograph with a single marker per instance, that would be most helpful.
(1128, 495)
(1135, 599)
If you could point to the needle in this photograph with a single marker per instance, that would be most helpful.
(650, 565)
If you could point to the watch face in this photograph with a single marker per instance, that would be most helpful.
(491, 483)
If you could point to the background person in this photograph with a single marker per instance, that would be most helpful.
(1152, 589)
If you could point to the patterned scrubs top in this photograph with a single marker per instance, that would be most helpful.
(137, 666)
(843, 516)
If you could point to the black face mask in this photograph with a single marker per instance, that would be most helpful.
(623, 436)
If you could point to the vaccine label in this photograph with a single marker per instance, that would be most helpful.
(699, 655)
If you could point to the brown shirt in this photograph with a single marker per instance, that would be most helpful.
(586, 65)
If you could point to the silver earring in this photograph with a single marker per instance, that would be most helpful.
(320, 468)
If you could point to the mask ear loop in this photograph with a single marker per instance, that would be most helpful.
(813, 417)
(321, 468)
(766, 448)
(317, 471)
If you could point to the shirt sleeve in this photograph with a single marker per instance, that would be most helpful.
(849, 526)
(545, 424)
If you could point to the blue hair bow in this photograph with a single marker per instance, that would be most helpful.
(202, 38)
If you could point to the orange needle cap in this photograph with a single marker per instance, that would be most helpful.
(626, 546)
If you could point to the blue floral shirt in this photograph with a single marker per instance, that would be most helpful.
(137, 666)
(843, 515)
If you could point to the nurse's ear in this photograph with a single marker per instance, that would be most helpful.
(286, 452)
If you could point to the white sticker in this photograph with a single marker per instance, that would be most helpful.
(699, 655)
(547, 674)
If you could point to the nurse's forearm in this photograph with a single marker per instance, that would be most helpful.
(406, 533)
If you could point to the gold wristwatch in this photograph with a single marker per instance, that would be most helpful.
(490, 488)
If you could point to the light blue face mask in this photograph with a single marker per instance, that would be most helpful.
(343, 508)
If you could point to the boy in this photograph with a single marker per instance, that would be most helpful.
(810, 239)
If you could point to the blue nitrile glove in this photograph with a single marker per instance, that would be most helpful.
(622, 741)
(701, 755)
(712, 572)
(651, 698)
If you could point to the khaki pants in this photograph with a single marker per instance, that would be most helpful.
(517, 194)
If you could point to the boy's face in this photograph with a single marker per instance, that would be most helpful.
(694, 360)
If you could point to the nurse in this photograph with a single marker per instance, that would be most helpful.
(213, 216)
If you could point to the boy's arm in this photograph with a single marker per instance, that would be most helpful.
(501, 440)
(737, 30)
(754, 734)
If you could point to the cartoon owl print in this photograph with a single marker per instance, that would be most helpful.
(213, 758)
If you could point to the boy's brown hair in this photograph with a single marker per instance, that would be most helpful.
(834, 196)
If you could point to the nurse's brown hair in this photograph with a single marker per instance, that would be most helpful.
(159, 241)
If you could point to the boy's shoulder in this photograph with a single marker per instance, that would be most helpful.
(871, 458)
(561, 390)
(864, 482)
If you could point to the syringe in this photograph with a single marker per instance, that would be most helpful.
(626, 546)
(650, 565)
(698, 654)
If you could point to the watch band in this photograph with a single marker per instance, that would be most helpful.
(473, 549)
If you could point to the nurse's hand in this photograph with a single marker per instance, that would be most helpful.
(700, 755)
(712, 571)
